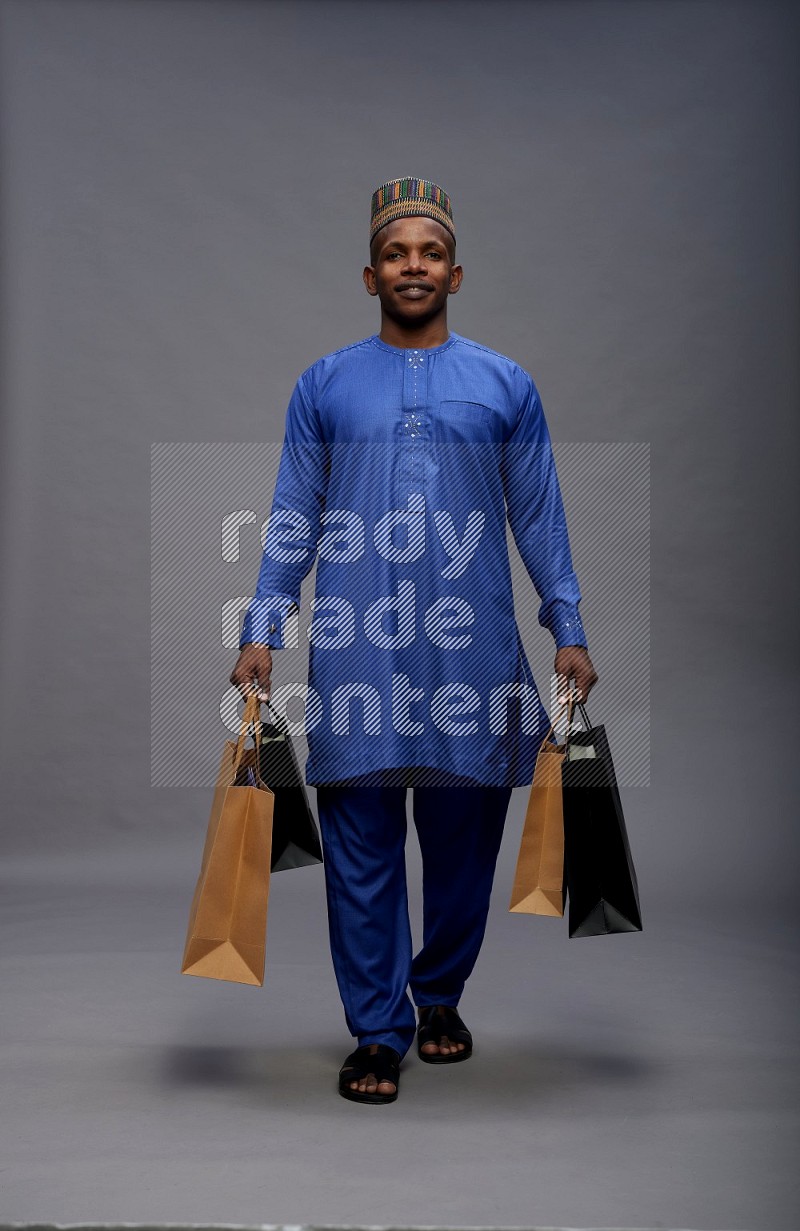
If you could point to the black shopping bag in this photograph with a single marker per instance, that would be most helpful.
(601, 880)
(295, 837)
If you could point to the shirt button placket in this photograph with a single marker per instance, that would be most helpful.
(414, 401)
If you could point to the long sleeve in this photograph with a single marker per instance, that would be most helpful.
(294, 526)
(535, 512)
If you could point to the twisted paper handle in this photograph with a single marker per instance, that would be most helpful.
(569, 701)
(251, 717)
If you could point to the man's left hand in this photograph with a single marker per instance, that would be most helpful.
(573, 662)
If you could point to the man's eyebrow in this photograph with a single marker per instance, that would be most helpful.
(428, 243)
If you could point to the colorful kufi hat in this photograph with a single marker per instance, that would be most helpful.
(407, 198)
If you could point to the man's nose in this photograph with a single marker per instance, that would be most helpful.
(414, 263)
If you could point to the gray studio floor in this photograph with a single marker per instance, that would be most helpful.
(631, 1081)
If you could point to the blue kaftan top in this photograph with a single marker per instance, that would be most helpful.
(397, 472)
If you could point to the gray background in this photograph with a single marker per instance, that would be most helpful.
(184, 210)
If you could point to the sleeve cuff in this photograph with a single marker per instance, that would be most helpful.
(269, 622)
(567, 629)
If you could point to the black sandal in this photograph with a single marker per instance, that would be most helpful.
(436, 1021)
(384, 1063)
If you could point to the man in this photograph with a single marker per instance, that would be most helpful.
(415, 659)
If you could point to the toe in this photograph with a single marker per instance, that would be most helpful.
(444, 1047)
(369, 1085)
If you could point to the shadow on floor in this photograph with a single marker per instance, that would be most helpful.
(521, 1072)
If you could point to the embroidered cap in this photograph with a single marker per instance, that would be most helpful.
(407, 198)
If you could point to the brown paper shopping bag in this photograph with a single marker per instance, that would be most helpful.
(227, 932)
(539, 886)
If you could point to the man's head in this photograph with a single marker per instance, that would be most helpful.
(412, 251)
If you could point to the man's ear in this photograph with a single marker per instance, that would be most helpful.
(369, 280)
(456, 275)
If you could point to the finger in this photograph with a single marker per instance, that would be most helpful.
(261, 690)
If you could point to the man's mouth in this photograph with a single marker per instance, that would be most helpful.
(414, 289)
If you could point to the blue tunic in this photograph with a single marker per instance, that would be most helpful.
(398, 470)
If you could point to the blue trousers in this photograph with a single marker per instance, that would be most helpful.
(363, 831)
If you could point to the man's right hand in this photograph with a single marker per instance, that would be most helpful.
(253, 670)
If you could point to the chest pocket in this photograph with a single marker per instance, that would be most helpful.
(464, 421)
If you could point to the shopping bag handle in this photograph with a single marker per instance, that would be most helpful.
(572, 701)
(277, 718)
(584, 715)
(251, 717)
(553, 723)
(569, 700)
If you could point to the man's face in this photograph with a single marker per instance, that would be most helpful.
(413, 272)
